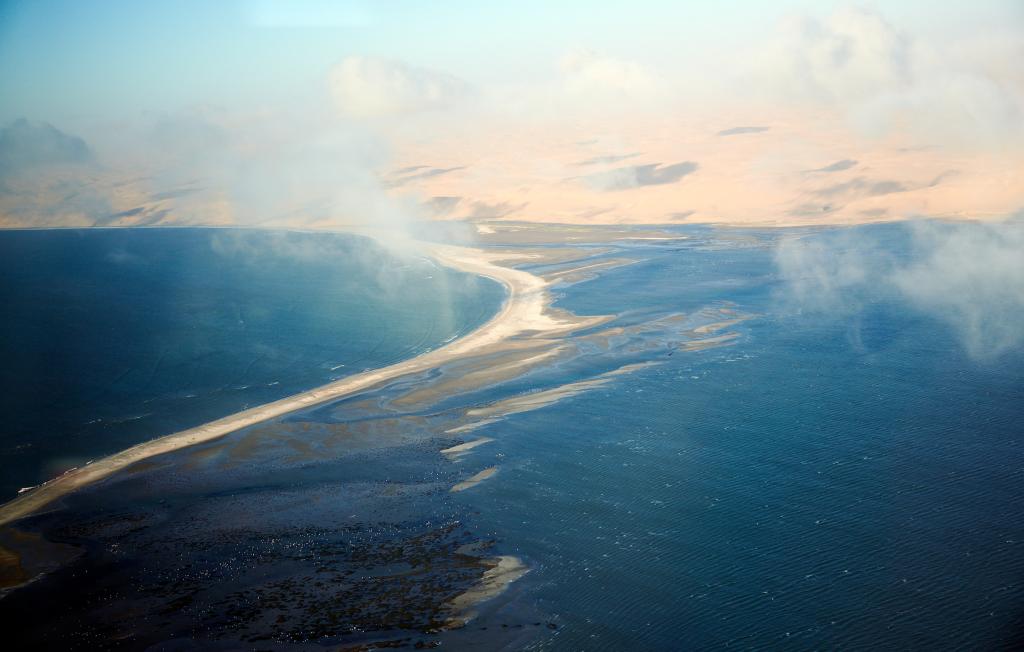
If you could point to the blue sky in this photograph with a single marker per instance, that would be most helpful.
(67, 60)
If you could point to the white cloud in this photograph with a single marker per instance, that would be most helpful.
(588, 74)
(366, 87)
(48, 177)
(887, 80)
(852, 56)
(823, 276)
(969, 275)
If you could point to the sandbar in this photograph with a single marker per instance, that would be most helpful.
(475, 479)
(525, 310)
(503, 571)
(455, 452)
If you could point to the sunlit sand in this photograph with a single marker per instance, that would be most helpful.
(525, 310)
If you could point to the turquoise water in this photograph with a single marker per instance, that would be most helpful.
(113, 337)
(830, 480)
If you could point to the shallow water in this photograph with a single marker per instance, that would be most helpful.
(823, 482)
(113, 337)
(845, 480)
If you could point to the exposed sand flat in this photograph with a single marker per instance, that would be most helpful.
(546, 397)
(717, 326)
(585, 272)
(524, 312)
(455, 452)
(709, 342)
(11, 572)
(551, 255)
(475, 479)
(677, 237)
(505, 570)
(532, 233)
(474, 425)
(536, 400)
(27, 556)
(477, 372)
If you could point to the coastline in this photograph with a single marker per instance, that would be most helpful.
(524, 310)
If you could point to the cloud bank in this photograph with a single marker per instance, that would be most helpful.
(25, 146)
(833, 118)
(203, 166)
(969, 275)
(371, 87)
(588, 74)
(886, 80)
(47, 177)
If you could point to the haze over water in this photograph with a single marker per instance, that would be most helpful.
(828, 481)
(647, 325)
(825, 478)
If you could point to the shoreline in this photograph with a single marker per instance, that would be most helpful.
(523, 310)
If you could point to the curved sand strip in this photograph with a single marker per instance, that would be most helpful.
(502, 572)
(473, 481)
(455, 452)
(523, 312)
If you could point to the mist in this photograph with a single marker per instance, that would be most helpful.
(314, 168)
(969, 275)
(291, 116)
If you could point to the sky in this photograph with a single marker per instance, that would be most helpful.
(325, 113)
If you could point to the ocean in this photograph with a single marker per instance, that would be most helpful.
(112, 337)
(841, 474)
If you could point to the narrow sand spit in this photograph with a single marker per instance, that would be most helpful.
(525, 311)
(455, 452)
(530, 401)
(503, 571)
(717, 326)
(474, 480)
(709, 342)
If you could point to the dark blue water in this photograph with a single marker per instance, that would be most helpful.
(112, 337)
(830, 481)
(834, 479)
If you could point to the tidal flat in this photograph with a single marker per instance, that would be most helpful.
(738, 473)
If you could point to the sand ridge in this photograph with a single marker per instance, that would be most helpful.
(475, 479)
(455, 452)
(502, 572)
(525, 311)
